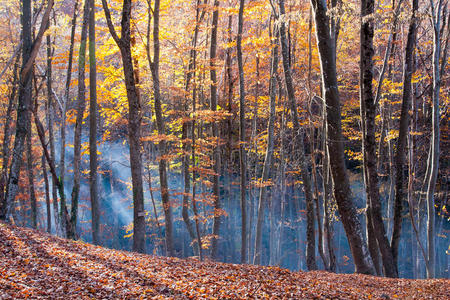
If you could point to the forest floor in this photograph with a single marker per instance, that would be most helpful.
(35, 265)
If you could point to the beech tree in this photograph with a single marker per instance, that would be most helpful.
(341, 186)
(134, 121)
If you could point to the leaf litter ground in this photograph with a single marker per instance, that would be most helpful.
(37, 265)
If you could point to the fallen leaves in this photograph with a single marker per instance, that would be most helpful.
(37, 265)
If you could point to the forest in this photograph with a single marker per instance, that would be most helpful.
(306, 135)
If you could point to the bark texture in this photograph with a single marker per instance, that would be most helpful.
(401, 149)
(134, 120)
(341, 185)
(368, 113)
(95, 210)
(242, 153)
(80, 106)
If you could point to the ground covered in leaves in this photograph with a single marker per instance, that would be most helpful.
(34, 265)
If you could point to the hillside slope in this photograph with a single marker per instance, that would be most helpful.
(34, 264)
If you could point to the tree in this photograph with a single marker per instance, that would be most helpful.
(368, 113)
(341, 186)
(269, 153)
(62, 165)
(436, 15)
(93, 129)
(213, 107)
(80, 106)
(29, 53)
(242, 155)
(161, 130)
(400, 153)
(6, 141)
(134, 121)
(300, 147)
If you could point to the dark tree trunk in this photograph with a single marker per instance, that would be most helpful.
(161, 130)
(6, 142)
(216, 154)
(79, 108)
(24, 105)
(368, 113)
(242, 154)
(62, 161)
(335, 145)
(93, 130)
(134, 119)
(47, 195)
(299, 151)
(400, 153)
(50, 112)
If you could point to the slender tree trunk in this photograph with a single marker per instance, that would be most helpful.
(50, 161)
(134, 118)
(50, 112)
(299, 151)
(62, 161)
(79, 108)
(335, 145)
(327, 225)
(194, 186)
(30, 171)
(401, 148)
(268, 157)
(161, 130)
(216, 154)
(320, 240)
(93, 130)
(154, 206)
(242, 154)
(47, 195)
(434, 146)
(6, 142)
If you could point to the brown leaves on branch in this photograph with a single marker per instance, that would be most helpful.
(37, 265)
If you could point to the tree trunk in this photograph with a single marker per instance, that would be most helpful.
(269, 155)
(47, 195)
(216, 154)
(6, 142)
(62, 164)
(242, 154)
(30, 171)
(434, 146)
(134, 119)
(401, 148)
(79, 107)
(161, 130)
(24, 105)
(335, 145)
(50, 112)
(93, 130)
(368, 113)
(299, 151)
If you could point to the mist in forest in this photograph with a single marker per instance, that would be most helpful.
(286, 250)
